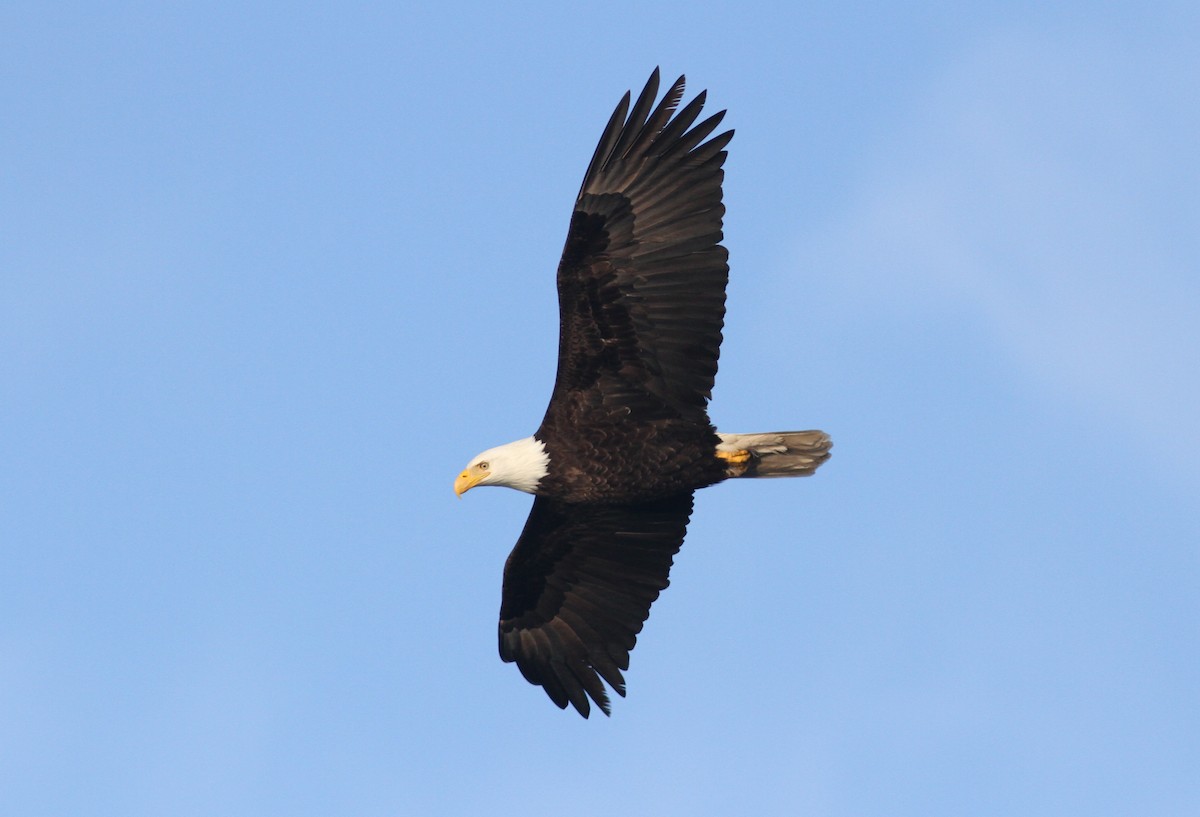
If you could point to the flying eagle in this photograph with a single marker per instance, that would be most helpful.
(626, 439)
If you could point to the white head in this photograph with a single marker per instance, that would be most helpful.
(520, 465)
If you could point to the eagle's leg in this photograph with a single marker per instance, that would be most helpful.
(736, 462)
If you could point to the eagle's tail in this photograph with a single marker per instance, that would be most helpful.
(775, 454)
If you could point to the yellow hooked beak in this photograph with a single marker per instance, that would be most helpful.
(466, 481)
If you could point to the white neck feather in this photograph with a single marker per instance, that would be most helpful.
(520, 464)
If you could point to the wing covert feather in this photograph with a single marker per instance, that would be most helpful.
(643, 274)
(578, 587)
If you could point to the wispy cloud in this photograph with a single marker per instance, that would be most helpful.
(1050, 191)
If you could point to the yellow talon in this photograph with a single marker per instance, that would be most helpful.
(734, 457)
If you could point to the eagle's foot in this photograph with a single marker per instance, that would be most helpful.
(736, 462)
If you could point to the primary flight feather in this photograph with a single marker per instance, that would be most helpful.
(626, 439)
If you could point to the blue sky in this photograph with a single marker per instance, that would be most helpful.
(270, 275)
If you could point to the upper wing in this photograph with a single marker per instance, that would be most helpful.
(641, 283)
(578, 587)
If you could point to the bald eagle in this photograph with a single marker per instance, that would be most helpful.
(626, 439)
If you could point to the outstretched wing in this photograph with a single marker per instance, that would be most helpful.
(578, 587)
(641, 283)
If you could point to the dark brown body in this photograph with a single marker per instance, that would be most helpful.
(618, 463)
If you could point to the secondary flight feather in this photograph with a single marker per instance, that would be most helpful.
(626, 439)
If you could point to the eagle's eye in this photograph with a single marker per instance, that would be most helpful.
(483, 466)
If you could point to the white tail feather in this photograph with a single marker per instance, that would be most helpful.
(777, 453)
